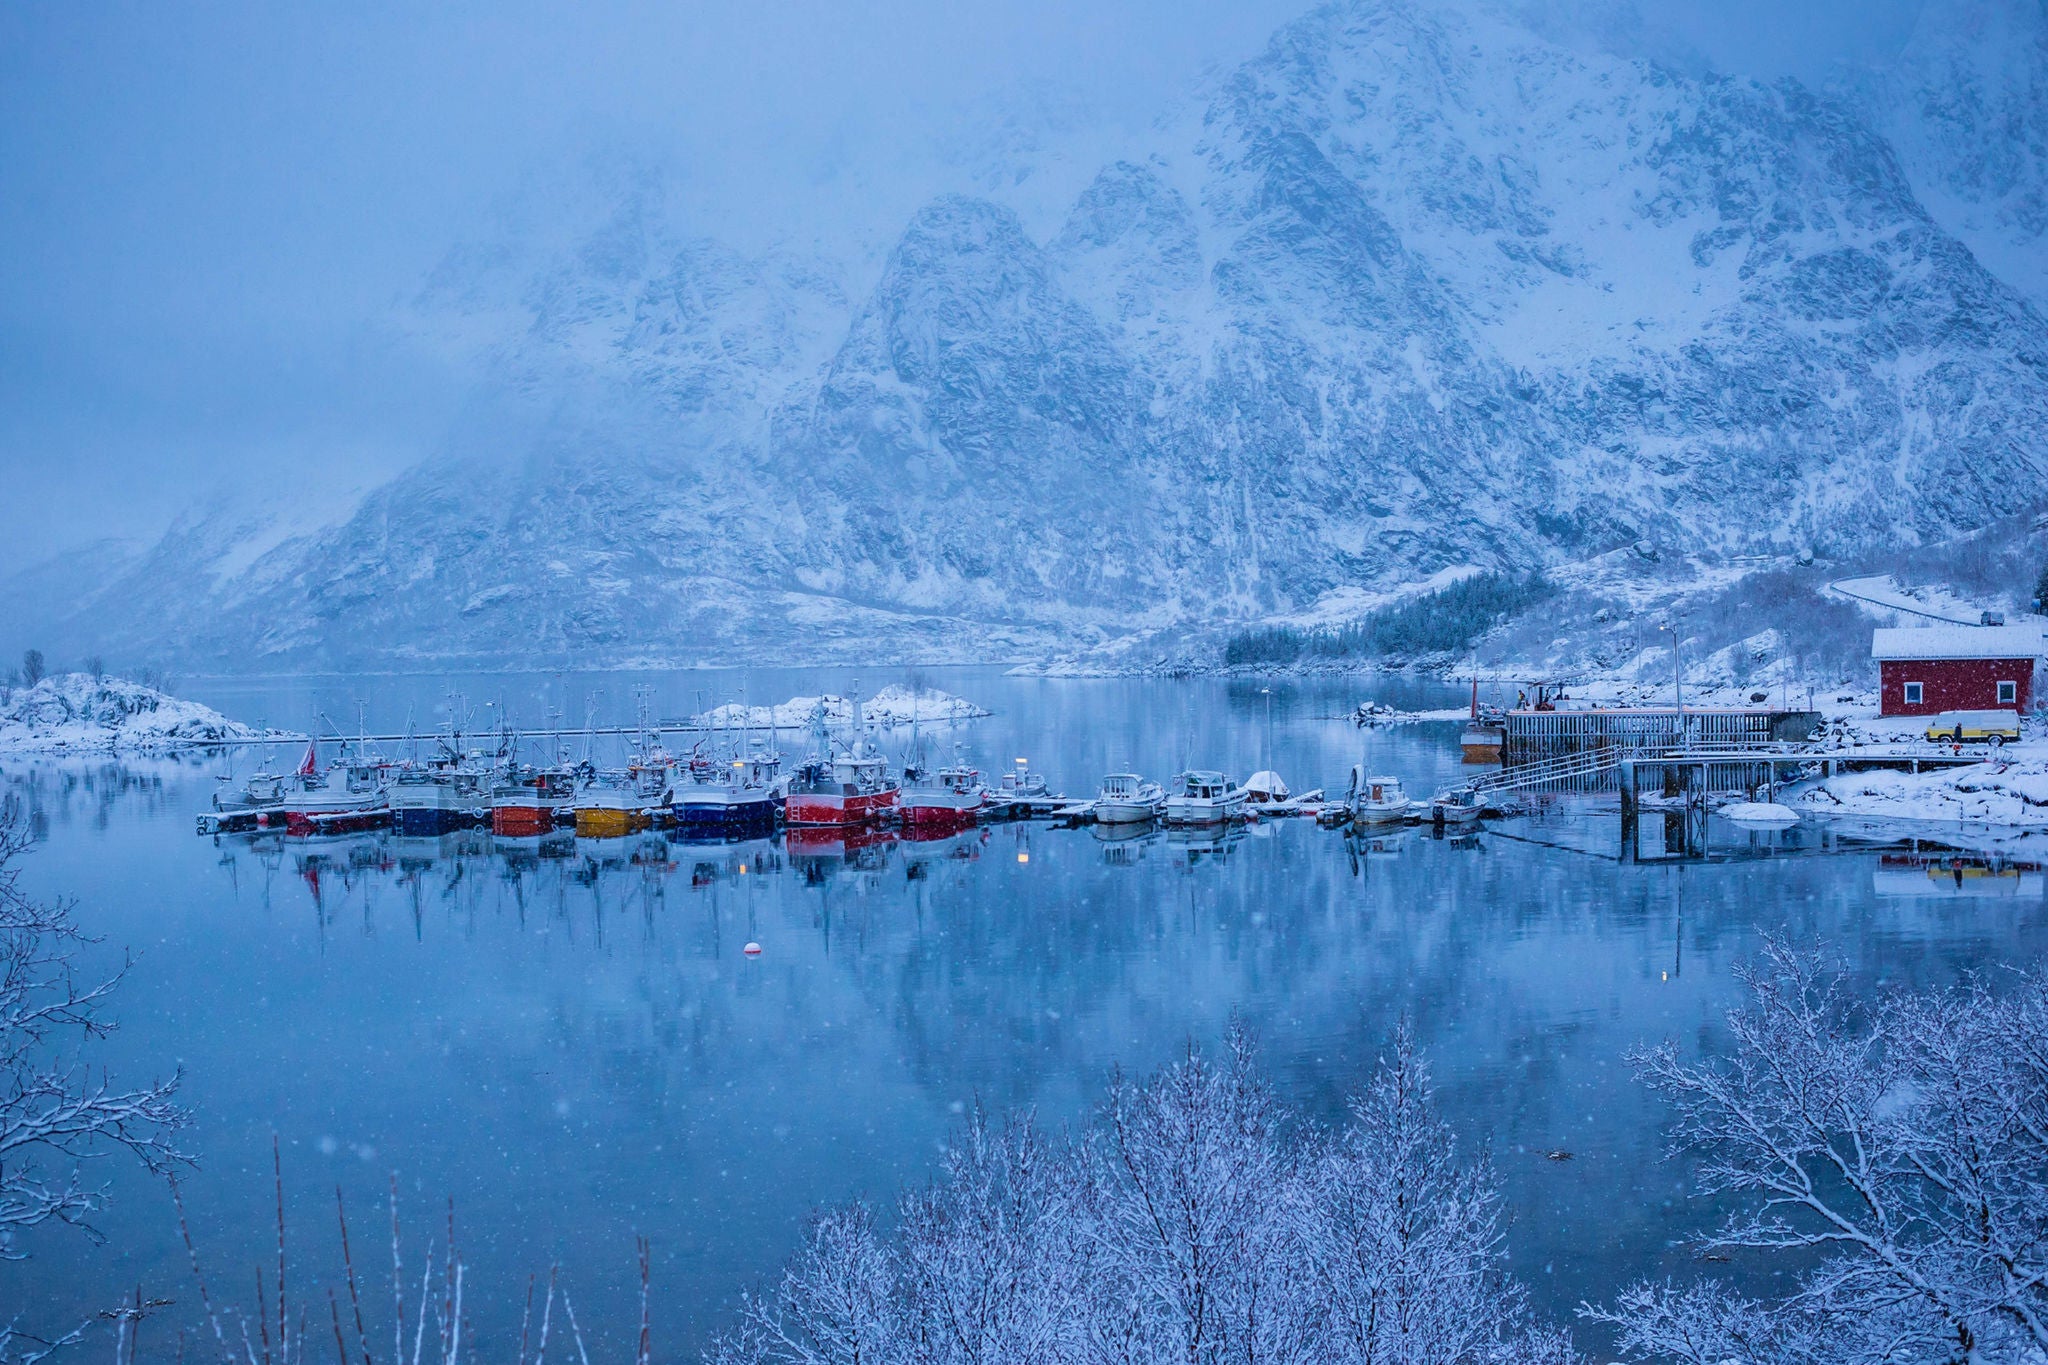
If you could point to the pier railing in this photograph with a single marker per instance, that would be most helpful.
(1575, 771)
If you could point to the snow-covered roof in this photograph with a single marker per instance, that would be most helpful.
(1956, 642)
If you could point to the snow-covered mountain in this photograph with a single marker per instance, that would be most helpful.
(1415, 288)
(1966, 106)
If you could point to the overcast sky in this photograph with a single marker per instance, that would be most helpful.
(209, 210)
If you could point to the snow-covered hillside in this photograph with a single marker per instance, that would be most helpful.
(1415, 290)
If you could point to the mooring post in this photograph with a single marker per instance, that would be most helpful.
(1626, 771)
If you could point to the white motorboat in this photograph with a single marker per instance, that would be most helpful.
(1128, 799)
(1265, 788)
(1378, 800)
(1460, 806)
(1203, 796)
(1023, 785)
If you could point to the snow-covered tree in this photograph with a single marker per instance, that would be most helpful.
(994, 1260)
(837, 1302)
(1198, 1222)
(1899, 1153)
(1201, 1206)
(56, 1111)
(1409, 1242)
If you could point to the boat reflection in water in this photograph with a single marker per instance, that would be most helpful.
(1208, 842)
(809, 855)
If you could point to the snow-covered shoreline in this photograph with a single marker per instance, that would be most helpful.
(2008, 792)
(78, 713)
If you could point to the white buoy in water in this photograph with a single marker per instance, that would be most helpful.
(752, 950)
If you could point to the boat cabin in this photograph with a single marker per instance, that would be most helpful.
(1205, 785)
(356, 776)
(1384, 789)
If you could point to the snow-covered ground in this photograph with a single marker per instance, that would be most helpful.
(75, 712)
(2010, 792)
(1882, 597)
(893, 705)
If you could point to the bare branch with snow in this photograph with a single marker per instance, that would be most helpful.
(1905, 1147)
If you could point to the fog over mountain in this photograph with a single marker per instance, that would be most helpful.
(1411, 287)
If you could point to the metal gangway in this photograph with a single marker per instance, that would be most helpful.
(1574, 770)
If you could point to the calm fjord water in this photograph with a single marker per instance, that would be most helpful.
(575, 1049)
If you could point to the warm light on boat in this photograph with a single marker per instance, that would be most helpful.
(743, 869)
(1023, 857)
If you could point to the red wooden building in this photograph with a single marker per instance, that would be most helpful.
(1929, 669)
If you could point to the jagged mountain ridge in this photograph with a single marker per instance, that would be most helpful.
(1415, 288)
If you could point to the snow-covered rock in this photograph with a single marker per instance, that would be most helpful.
(1996, 793)
(76, 712)
(893, 705)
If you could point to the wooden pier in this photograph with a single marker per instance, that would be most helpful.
(1533, 736)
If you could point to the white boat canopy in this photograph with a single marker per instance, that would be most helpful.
(1266, 783)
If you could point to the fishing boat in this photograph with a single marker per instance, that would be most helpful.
(1378, 800)
(530, 802)
(348, 797)
(1128, 799)
(434, 800)
(840, 784)
(846, 789)
(626, 801)
(731, 798)
(950, 798)
(1203, 796)
(261, 796)
(634, 798)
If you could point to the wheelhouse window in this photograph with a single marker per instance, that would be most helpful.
(2008, 693)
(1914, 693)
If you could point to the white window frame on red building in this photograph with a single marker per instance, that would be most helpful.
(1916, 694)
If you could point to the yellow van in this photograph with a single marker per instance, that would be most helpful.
(1962, 727)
